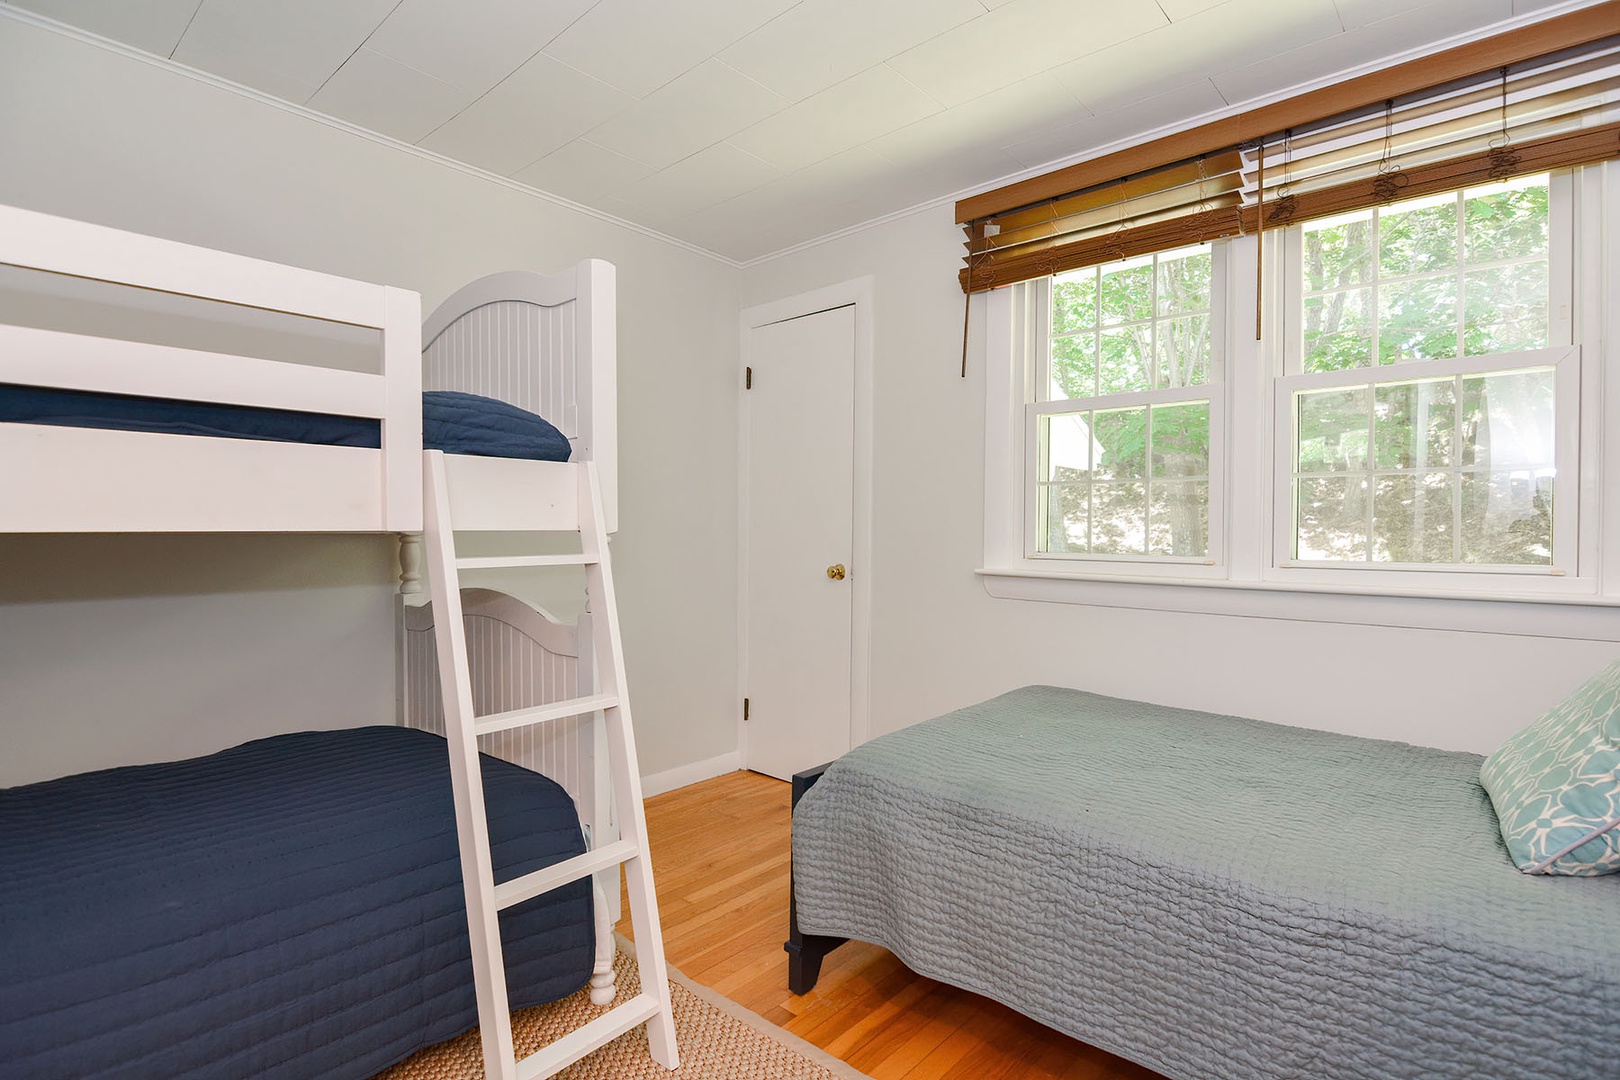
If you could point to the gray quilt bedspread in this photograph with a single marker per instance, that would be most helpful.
(1212, 896)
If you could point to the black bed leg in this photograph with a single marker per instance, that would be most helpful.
(805, 951)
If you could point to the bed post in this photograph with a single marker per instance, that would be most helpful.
(410, 564)
(805, 951)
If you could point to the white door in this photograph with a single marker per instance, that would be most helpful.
(800, 461)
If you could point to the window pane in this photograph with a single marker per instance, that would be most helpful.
(1074, 301)
(1506, 221)
(1123, 364)
(1339, 330)
(1121, 436)
(1178, 521)
(1333, 430)
(1508, 419)
(1065, 446)
(1413, 518)
(1183, 358)
(1417, 319)
(1074, 367)
(1065, 518)
(1507, 517)
(1418, 237)
(1119, 519)
(1127, 292)
(1506, 308)
(1181, 440)
(1184, 283)
(1338, 252)
(1332, 515)
(1413, 424)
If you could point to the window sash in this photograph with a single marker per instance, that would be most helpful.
(1566, 363)
(1032, 316)
(1560, 284)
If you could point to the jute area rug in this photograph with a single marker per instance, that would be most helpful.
(718, 1040)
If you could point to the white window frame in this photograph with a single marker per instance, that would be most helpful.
(1582, 603)
(1562, 354)
(1019, 317)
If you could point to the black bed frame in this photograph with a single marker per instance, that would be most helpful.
(805, 951)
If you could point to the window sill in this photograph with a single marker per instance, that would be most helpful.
(1583, 617)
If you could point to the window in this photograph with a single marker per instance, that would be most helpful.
(1119, 410)
(1422, 387)
(1422, 415)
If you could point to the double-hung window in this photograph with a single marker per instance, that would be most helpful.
(1426, 416)
(1119, 416)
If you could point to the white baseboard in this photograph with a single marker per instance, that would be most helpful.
(658, 783)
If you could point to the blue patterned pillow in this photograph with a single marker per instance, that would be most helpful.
(1556, 784)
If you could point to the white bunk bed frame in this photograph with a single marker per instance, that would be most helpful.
(90, 480)
(546, 344)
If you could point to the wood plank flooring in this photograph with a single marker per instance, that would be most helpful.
(720, 861)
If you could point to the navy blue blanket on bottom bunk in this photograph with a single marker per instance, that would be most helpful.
(291, 907)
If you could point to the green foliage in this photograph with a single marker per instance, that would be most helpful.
(1419, 269)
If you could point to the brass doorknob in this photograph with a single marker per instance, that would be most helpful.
(836, 572)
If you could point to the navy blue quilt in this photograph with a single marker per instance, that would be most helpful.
(454, 422)
(291, 907)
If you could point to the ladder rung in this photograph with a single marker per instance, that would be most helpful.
(582, 1040)
(501, 562)
(557, 875)
(542, 714)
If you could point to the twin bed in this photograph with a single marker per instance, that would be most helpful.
(1209, 896)
(291, 907)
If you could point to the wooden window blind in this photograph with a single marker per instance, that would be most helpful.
(1549, 99)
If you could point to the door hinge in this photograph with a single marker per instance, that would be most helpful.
(748, 378)
(745, 710)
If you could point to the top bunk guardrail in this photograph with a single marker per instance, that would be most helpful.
(84, 479)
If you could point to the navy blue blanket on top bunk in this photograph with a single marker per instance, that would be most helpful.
(291, 907)
(452, 421)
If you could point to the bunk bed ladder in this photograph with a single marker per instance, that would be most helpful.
(651, 1006)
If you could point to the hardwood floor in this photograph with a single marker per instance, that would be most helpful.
(720, 861)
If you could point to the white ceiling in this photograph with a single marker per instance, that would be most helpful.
(748, 126)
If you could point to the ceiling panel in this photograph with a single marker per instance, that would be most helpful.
(1017, 40)
(541, 106)
(707, 177)
(860, 108)
(153, 25)
(582, 171)
(707, 104)
(819, 43)
(1217, 39)
(1180, 9)
(288, 48)
(384, 95)
(984, 124)
(1364, 44)
(639, 45)
(1168, 107)
(472, 45)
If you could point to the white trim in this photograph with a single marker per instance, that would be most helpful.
(858, 293)
(691, 773)
(218, 83)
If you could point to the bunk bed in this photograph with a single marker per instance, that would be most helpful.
(1209, 896)
(296, 906)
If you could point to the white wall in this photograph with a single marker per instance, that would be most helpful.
(109, 649)
(939, 641)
